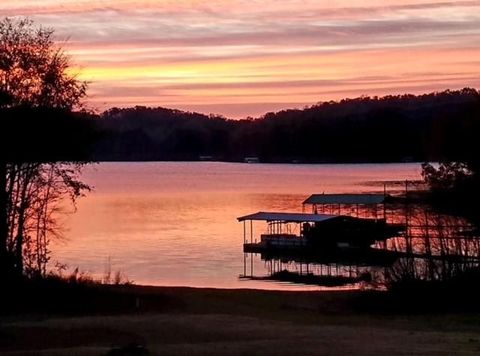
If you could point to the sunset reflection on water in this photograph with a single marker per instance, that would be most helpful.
(175, 223)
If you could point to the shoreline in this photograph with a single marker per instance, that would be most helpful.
(208, 321)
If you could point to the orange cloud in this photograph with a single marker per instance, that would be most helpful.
(245, 57)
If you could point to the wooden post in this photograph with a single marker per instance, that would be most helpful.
(251, 265)
(251, 231)
(407, 233)
(384, 198)
(244, 233)
(244, 264)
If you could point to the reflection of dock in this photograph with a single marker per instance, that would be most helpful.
(346, 257)
(311, 279)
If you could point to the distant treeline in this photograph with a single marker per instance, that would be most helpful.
(436, 126)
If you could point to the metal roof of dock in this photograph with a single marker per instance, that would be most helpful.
(287, 217)
(361, 199)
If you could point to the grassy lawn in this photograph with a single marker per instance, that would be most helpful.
(186, 321)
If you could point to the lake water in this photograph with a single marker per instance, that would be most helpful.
(174, 224)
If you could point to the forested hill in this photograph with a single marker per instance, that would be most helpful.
(367, 129)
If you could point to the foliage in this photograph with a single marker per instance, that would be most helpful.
(454, 188)
(447, 176)
(38, 192)
(33, 70)
(431, 127)
(39, 133)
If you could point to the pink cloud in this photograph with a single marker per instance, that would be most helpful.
(248, 56)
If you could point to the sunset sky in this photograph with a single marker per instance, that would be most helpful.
(247, 57)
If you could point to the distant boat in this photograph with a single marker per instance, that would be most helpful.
(251, 160)
(408, 159)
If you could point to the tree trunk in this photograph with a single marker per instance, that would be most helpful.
(5, 267)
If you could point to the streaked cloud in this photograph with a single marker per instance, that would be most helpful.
(245, 57)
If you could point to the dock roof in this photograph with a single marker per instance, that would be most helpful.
(362, 199)
(287, 217)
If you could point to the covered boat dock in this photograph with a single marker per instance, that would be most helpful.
(302, 231)
(357, 205)
(278, 223)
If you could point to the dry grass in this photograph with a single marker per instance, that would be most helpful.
(186, 321)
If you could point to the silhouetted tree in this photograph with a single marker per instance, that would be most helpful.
(38, 131)
(448, 176)
(429, 127)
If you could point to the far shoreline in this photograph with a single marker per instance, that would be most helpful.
(265, 163)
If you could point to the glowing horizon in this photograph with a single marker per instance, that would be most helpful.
(243, 58)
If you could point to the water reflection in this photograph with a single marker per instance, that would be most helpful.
(429, 246)
(436, 247)
(329, 270)
(175, 223)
